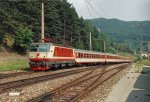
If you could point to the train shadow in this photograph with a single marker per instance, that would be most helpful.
(141, 89)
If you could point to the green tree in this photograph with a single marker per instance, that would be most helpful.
(23, 39)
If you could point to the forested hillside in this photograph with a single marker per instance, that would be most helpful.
(21, 25)
(123, 32)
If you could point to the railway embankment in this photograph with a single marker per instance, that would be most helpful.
(133, 87)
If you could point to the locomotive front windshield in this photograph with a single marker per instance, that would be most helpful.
(39, 48)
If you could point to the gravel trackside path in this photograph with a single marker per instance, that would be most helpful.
(101, 93)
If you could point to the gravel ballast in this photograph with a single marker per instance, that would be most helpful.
(29, 92)
(100, 94)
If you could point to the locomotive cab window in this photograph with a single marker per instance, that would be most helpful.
(39, 48)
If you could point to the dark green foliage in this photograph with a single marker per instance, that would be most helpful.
(125, 35)
(19, 19)
(23, 39)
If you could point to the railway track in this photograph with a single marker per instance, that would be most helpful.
(24, 82)
(76, 89)
(2, 76)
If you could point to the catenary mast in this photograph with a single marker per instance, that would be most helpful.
(42, 22)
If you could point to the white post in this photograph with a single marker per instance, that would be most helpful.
(90, 42)
(104, 46)
(141, 47)
(42, 22)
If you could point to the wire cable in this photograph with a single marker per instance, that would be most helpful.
(88, 8)
(101, 8)
(93, 9)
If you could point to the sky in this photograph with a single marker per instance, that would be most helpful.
(127, 10)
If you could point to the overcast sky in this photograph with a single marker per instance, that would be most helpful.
(127, 10)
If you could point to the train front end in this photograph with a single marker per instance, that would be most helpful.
(39, 56)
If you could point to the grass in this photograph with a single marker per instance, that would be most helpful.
(145, 62)
(13, 63)
(138, 67)
(139, 64)
(130, 56)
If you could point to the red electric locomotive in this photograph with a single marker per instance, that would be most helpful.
(43, 56)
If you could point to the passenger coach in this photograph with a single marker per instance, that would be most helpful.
(43, 56)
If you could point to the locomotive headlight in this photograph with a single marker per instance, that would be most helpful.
(43, 63)
(32, 63)
(31, 56)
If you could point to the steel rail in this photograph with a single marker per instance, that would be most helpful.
(49, 96)
(24, 82)
(88, 89)
(2, 76)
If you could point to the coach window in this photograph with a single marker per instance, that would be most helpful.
(81, 55)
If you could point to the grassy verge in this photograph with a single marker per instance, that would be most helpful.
(13, 64)
(145, 62)
(138, 67)
(139, 64)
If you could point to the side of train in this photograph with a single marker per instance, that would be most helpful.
(43, 56)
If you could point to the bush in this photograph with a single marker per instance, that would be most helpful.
(23, 39)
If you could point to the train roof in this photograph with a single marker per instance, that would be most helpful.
(53, 44)
(80, 50)
(88, 51)
(96, 52)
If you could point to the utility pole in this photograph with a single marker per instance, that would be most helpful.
(90, 42)
(148, 46)
(149, 49)
(104, 46)
(141, 47)
(117, 49)
(64, 37)
(42, 22)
